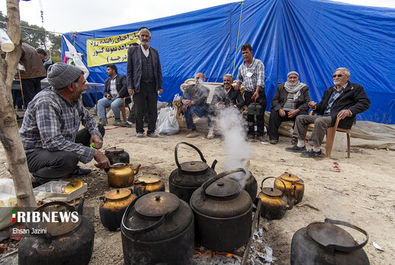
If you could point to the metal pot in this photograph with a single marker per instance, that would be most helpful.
(117, 155)
(189, 176)
(121, 175)
(113, 206)
(274, 201)
(158, 228)
(223, 212)
(250, 184)
(65, 243)
(325, 243)
(148, 183)
(294, 186)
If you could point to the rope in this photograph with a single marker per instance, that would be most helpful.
(237, 40)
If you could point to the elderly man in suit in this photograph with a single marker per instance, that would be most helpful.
(144, 81)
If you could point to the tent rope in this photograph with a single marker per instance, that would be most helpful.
(237, 40)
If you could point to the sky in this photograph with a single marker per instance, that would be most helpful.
(82, 15)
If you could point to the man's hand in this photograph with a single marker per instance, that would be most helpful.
(255, 96)
(293, 113)
(97, 140)
(160, 91)
(312, 105)
(281, 112)
(118, 96)
(344, 114)
(101, 159)
(131, 92)
(108, 96)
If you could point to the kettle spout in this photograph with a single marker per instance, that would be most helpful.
(136, 170)
(214, 164)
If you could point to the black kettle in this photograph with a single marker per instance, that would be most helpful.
(188, 176)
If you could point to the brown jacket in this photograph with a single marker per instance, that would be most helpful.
(32, 62)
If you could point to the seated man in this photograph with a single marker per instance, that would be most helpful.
(224, 96)
(344, 101)
(290, 100)
(115, 90)
(49, 131)
(194, 102)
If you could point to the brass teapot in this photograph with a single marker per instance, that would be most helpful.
(274, 201)
(121, 175)
(294, 186)
(148, 183)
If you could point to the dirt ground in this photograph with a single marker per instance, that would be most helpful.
(362, 193)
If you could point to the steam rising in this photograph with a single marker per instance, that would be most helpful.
(237, 150)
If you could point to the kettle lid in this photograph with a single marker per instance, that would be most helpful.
(194, 166)
(290, 177)
(157, 204)
(272, 192)
(223, 188)
(117, 194)
(114, 150)
(148, 179)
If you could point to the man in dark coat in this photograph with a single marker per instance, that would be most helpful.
(144, 81)
(290, 100)
(344, 101)
(115, 91)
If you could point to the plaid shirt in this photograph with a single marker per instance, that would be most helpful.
(258, 75)
(52, 123)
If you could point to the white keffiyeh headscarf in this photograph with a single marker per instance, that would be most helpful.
(294, 88)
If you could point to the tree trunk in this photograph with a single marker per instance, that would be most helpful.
(9, 135)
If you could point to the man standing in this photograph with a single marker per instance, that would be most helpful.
(252, 75)
(33, 73)
(224, 96)
(49, 131)
(194, 102)
(115, 90)
(144, 81)
(43, 55)
(344, 101)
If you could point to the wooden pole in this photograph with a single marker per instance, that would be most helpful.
(9, 136)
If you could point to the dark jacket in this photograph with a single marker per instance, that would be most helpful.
(134, 68)
(196, 93)
(234, 97)
(32, 62)
(120, 84)
(353, 98)
(280, 97)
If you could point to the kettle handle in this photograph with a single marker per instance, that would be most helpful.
(220, 175)
(285, 187)
(343, 248)
(191, 145)
(145, 229)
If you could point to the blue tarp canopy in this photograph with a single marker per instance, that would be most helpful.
(311, 37)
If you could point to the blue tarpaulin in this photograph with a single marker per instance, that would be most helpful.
(311, 37)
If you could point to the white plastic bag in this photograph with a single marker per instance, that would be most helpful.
(167, 122)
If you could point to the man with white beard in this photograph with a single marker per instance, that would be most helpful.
(194, 103)
(291, 99)
(344, 100)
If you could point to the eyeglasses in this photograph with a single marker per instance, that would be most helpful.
(337, 76)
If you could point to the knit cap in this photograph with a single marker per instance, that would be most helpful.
(61, 75)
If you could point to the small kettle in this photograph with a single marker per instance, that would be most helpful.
(148, 183)
(294, 186)
(274, 201)
(121, 175)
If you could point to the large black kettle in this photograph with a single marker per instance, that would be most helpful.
(158, 228)
(188, 176)
(223, 212)
(325, 243)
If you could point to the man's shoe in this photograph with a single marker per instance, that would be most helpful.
(262, 139)
(273, 141)
(152, 135)
(81, 171)
(192, 134)
(210, 134)
(140, 135)
(295, 149)
(311, 154)
(125, 124)
(102, 122)
(118, 123)
(250, 137)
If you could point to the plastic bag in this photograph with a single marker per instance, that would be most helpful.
(167, 122)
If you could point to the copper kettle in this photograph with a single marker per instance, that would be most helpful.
(294, 186)
(274, 201)
(148, 183)
(121, 175)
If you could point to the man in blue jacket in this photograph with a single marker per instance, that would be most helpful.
(344, 100)
(144, 81)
